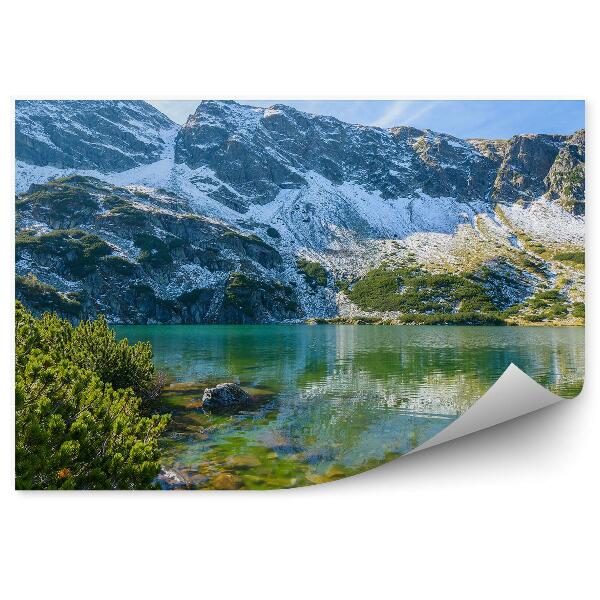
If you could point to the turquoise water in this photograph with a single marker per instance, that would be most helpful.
(335, 399)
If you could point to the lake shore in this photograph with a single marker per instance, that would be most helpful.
(513, 322)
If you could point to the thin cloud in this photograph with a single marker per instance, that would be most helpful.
(393, 114)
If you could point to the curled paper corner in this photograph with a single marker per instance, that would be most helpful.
(514, 394)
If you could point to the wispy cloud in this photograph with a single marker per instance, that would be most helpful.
(405, 112)
(393, 113)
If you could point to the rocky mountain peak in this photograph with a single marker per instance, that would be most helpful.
(101, 135)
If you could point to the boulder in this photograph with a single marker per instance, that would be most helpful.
(171, 479)
(226, 396)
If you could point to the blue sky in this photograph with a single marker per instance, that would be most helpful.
(462, 118)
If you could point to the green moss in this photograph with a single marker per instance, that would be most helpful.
(314, 273)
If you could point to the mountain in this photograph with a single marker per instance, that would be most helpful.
(248, 214)
(103, 136)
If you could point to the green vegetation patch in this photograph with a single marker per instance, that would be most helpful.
(118, 265)
(153, 251)
(342, 285)
(79, 251)
(460, 318)
(314, 273)
(414, 291)
(575, 256)
(546, 305)
(80, 421)
(129, 215)
(114, 201)
(63, 200)
(241, 289)
(578, 310)
(39, 297)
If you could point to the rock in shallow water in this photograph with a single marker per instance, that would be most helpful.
(171, 479)
(226, 481)
(226, 396)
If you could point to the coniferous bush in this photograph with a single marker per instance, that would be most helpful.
(79, 422)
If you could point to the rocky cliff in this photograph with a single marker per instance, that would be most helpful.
(247, 214)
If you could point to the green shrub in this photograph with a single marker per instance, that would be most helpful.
(63, 200)
(576, 256)
(534, 318)
(557, 310)
(154, 251)
(578, 310)
(342, 285)
(461, 318)
(94, 346)
(118, 265)
(114, 201)
(78, 419)
(549, 295)
(129, 215)
(314, 273)
(79, 251)
(414, 291)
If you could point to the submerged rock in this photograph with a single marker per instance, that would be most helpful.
(226, 396)
(171, 479)
(226, 481)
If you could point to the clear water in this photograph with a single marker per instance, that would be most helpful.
(334, 400)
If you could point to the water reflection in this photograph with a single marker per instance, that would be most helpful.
(338, 398)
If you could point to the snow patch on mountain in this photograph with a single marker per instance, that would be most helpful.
(548, 222)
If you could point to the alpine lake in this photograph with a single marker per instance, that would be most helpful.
(332, 400)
